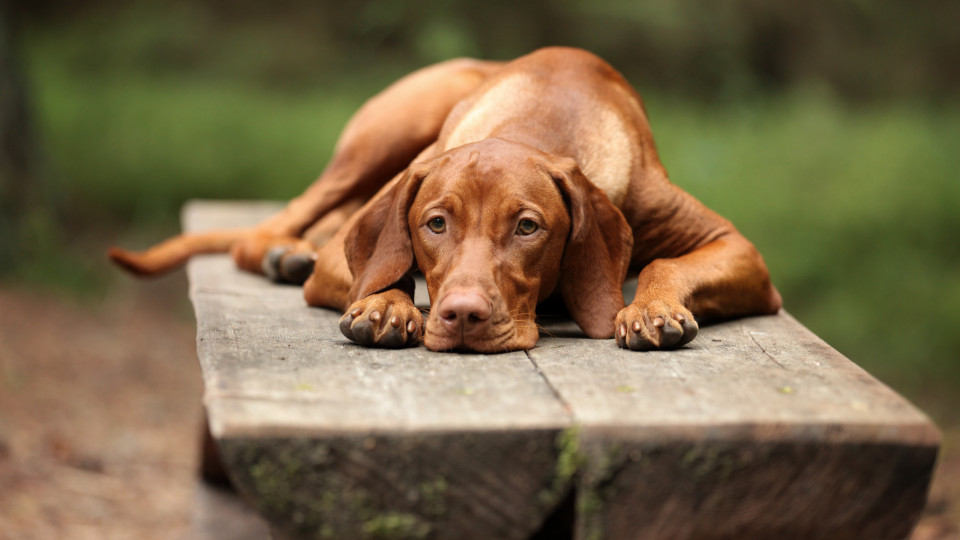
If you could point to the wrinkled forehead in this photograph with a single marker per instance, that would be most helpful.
(506, 173)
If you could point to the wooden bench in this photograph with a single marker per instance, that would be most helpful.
(757, 429)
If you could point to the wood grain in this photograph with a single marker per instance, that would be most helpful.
(756, 429)
(333, 440)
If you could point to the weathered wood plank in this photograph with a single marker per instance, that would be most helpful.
(442, 484)
(295, 371)
(757, 428)
(766, 372)
(335, 440)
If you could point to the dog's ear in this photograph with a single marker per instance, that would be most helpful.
(378, 247)
(597, 254)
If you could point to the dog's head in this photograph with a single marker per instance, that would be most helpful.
(495, 227)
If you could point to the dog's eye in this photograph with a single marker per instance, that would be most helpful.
(527, 227)
(437, 225)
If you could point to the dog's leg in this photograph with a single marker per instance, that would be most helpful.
(385, 319)
(702, 268)
(377, 304)
(381, 139)
(286, 259)
(723, 279)
(290, 259)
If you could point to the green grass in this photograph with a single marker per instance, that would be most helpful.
(855, 209)
(137, 145)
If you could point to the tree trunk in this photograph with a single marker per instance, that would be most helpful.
(18, 155)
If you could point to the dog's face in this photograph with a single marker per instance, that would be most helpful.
(495, 227)
(488, 228)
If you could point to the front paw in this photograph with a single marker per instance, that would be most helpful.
(387, 319)
(643, 326)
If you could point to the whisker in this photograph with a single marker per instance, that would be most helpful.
(543, 331)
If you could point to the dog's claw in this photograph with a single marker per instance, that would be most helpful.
(392, 340)
(670, 335)
(363, 331)
(655, 325)
(346, 323)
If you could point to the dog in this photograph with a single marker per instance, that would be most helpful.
(503, 183)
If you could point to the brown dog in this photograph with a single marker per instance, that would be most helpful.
(510, 181)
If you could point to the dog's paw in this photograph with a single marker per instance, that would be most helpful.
(284, 264)
(387, 319)
(643, 326)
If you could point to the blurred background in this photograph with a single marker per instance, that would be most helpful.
(826, 130)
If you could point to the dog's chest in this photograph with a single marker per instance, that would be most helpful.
(593, 132)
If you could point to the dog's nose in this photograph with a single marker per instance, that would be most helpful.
(463, 312)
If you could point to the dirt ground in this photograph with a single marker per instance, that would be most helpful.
(99, 415)
(100, 419)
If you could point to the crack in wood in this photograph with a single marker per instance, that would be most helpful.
(762, 349)
(567, 408)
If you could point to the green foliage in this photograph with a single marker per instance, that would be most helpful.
(853, 210)
(135, 145)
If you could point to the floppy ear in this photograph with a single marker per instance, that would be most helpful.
(378, 247)
(597, 255)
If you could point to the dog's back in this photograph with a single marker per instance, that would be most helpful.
(566, 102)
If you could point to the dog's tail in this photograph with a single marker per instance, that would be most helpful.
(173, 252)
